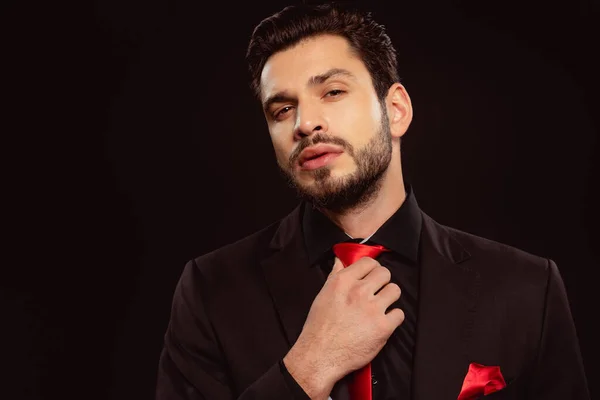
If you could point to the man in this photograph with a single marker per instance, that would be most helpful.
(277, 315)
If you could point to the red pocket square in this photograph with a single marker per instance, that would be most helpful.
(481, 380)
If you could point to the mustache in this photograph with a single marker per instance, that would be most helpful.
(316, 139)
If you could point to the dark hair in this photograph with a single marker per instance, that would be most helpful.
(295, 23)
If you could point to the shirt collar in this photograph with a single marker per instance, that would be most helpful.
(400, 233)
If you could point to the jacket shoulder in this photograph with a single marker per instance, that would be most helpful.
(240, 251)
(482, 246)
(501, 261)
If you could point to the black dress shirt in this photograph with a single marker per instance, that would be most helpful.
(392, 367)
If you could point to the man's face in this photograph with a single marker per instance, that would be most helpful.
(319, 95)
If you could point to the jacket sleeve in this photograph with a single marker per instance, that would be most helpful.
(192, 365)
(558, 372)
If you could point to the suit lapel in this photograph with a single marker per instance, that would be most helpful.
(448, 291)
(293, 284)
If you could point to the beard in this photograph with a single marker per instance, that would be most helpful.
(352, 192)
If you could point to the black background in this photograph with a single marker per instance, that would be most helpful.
(132, 143)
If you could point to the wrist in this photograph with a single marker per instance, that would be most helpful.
(315, 378)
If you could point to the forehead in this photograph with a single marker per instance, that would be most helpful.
(293, 67)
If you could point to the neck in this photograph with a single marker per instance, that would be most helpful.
(365, 220)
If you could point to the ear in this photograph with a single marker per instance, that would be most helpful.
(399, 109)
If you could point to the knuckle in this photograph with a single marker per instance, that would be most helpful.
(355, 293)
(385, 271)
(400, 316)
(361, 290)
(336, 281)
(395, 289)
(370, 261)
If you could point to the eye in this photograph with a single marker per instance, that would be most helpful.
(281, 113)
(334, 93)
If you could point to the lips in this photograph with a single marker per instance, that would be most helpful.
(315, 156)
(319, 162)
(314, 152)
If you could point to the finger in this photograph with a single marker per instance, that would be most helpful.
(376, 279)
(388, 295)
(361, 268)
(395, 317)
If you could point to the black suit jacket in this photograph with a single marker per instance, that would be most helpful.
(238, 310)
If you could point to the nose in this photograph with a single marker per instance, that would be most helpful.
(309, 120)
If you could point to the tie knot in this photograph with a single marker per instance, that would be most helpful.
(349, 252)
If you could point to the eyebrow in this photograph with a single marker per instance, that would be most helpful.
(319, 79)
(284, 96)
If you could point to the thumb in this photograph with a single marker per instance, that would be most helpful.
(337, 266)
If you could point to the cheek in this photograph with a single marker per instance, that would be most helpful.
(357, 125)
(282, 148)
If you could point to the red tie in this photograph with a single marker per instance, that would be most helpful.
(349, 253)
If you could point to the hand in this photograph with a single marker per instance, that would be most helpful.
(346, 327)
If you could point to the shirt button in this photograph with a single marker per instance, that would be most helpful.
(373, 380)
